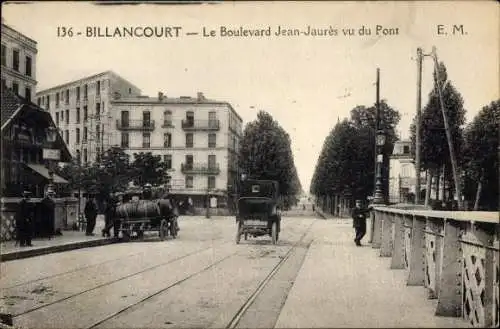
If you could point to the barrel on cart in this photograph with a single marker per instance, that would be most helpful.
(137, 217)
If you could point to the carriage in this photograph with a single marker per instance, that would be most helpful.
(143, 215)
(258, 210)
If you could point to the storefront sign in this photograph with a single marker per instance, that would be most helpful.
(51, 154)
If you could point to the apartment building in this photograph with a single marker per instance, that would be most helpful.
(18, 62)
(197, 137)
(82, 111)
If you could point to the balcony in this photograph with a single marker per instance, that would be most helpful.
(167, 124)
(203, 125)
(200, 168)
(135, 125)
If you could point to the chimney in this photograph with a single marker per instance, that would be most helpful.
(200, 96)
(160, 96)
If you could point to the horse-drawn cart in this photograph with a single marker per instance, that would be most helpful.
(148, 215)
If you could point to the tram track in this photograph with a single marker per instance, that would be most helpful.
(108, 283)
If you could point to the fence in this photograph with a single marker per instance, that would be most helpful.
(454, 255)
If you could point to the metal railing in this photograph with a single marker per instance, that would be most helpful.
(200, 168)
(453, 254)
(135, 125)
(200, 124)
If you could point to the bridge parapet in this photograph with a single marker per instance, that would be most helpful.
(453, 254)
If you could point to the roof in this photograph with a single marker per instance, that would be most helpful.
(7, 28)
(167, 100)
(13, 106)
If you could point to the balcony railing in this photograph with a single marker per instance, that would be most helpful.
(200, 125)
(135, 125)
(200, 168)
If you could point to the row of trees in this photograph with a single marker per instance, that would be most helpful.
(114, 171)
(346, 166)
(475, 145)
(265, 153)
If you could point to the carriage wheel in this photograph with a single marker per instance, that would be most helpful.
(238, 233)
(163, 229)
(274, 232)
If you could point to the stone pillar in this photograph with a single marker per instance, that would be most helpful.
(377, 229)
(416, 261)
(387, 243)
(398, 261)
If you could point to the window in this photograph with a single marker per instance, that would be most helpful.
(129, 90)
(146, 118)
(98, 111)
(85, 113)
(57, 118)
(406, 149)
(78, 93)
(4, 55)
(125, 140)
(167, 118)
(212, 138)
(67, 116)
(66, 136)
(168, 161)
(27, 93)
(211, 161)
(98, 88)
(146, 140)
(85, 134)
(189, 181)
(85, 91)
(189, 140)
(38, 101)
(78, 157)
(98, 133)
(190, 118)
(211, 182)
(77, 115)
(15, 87)
(125, 118)
(57, 99)
(77, 135)
(66, 100)
(167, 140)
(15, 60)
(48, 101)
(85, 156)
(212, 119)
(62, 115)
(28, 66)
(189, 161)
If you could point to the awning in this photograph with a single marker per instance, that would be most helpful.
(40, 169)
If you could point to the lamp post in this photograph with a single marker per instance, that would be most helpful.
(380, 142)
(51, 156)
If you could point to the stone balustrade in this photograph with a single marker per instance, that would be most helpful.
(453, 254)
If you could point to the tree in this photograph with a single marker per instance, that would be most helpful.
(435, 153)
(265, 153)
(481, 157)
(149, 168)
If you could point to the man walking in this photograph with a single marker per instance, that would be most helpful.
(359, 222)
(24, 221)
(90, 215)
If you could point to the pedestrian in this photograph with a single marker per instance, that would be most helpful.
(48, 214)
(109, 213)
(24, 221)
(90, 215)
(359, 221)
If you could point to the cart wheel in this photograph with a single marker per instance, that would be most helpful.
(238, 233)
(163, 230)
(274, 233)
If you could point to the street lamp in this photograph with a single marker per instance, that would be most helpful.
(51, 133)
(380, 142)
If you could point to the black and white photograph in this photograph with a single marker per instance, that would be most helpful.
(250, 164)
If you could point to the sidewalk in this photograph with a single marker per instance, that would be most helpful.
(341, 285)
(68, 241)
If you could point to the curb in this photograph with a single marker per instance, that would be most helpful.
(55, 249)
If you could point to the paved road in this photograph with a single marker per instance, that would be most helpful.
(312, 278)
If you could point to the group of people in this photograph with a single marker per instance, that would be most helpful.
(91, 211)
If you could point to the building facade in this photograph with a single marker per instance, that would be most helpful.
(18, 62)
(82, 111)
(402, 174)
(198, 138)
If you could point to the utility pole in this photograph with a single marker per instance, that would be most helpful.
(418, 139)
(447, 130)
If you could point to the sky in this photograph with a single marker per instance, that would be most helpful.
(305, 82)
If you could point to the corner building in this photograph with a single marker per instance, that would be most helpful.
(197, 137)
(82, 111)
(18, 63)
